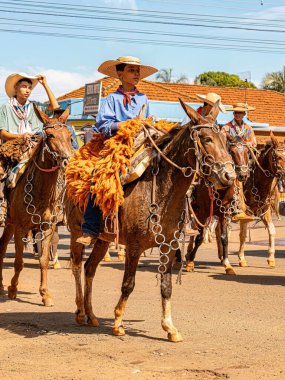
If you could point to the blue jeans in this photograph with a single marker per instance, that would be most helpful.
(92, 217)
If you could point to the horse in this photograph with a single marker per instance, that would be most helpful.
(153, 214)
(258, 191)
(35, 202)
(223, 204)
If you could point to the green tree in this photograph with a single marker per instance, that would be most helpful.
(275, 81)
(166, 75)
(221, 79)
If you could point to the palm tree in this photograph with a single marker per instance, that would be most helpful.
(275, 81)
(165, 75)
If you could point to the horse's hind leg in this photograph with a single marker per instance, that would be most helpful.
(166, 291)
(44, 262)
(97, 254)
(267, 220)
(191, 251)
(18, 262)
(76, 264)
(131, 263)
(4, 241)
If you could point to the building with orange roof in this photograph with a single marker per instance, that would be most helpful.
(164, 103)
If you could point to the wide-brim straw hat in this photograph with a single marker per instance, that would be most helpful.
(211, 98)
(109, 67)
(241, 107)
(13, 79)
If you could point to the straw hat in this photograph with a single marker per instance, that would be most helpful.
(211, 98)
(13, 79)
(241, 107)
(109, 67)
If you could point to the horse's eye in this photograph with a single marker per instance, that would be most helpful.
(50, 136)
(208, 140)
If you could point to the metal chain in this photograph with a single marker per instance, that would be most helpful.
(160, 239)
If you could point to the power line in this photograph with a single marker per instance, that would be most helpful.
(148, 42)
(90, 8)
(44, 24)
(143, 21)
(148, 14)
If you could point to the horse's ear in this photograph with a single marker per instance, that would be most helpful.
(274, 140)
(195, 117)
(41, 115)
(64, 116)
(213, 114)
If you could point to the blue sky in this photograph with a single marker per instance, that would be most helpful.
(70, 62)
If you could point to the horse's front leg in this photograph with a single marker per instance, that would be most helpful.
(18, 262)
(191, 251)
(242, 239)
(166, 291)
(225, 245)
(4, 241)
(132, 258)
(267, 220)
(97, 254)
(45, 244)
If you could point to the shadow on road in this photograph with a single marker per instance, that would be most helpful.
(252, 279)
(33, 325)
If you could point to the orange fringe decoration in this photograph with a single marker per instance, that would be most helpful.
(101, 162)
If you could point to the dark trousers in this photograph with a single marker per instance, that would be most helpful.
(92, 217)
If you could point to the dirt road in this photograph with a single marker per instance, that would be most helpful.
(233, 326)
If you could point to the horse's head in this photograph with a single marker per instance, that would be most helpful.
(239, 152)
(276, 158)
(56, 135)
(215, 162)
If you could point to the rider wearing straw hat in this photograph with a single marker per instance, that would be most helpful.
(123, 104)
(17, 117)
(237, 127)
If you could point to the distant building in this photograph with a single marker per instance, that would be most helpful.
(164, 104)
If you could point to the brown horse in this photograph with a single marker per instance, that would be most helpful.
(35, 202)
(258, 191)
(223, 202)
(151, 215)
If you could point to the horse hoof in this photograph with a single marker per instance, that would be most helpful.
(107, 258)
(119, 331)
(175, 338)
(190, 266)
(80, 319)
(243, 263)
(230, 271)
(48, 302)
(93, 322)
(57, 265)
(121, 257)
(271, 263)
(12, 292)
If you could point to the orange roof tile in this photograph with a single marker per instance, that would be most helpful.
(270, 105)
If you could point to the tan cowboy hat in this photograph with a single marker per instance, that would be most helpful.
(109, 67)
(241, 107)
(211, 98)
(13, 79)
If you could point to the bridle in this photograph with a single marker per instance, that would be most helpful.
(240, 145)
(61, 162)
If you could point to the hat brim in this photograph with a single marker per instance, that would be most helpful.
(241, 109)
(109, 68)
(13, 79)
(205, 100)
